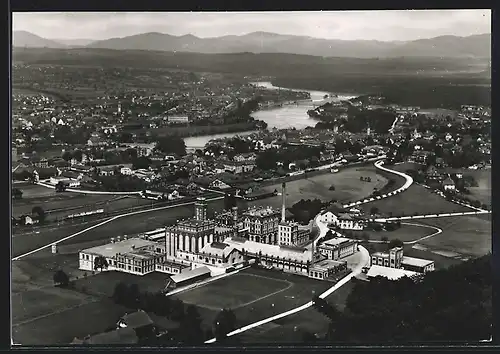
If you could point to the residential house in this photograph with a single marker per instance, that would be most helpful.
(248, 157)
(432, 174)
(40, 162)
(350, 222)
(218, 184)
(126, 171)
(239, 167)
(449, 185)
(96, 141)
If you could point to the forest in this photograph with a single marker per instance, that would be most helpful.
(448, 305)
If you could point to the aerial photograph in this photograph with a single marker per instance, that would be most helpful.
(251, 178)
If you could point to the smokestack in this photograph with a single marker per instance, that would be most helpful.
(283, 207)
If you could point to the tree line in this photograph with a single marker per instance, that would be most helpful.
(382, 311)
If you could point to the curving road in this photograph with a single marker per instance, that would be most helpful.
(427, 216)
(437, 232)
(105, 222)
(405, 186)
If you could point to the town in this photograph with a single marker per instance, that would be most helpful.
(172, 207)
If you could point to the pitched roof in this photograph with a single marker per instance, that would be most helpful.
(217, 248)
(137, 319)
(190, 274)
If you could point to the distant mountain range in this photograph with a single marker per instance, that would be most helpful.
(478, 46)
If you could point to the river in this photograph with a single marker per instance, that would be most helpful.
(284, 117)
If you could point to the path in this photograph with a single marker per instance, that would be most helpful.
(437, 232)
(43, 184)
(405, 186)
(105, 222)
(426, 216)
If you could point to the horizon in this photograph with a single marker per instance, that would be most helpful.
(245, 34)
(383, 26)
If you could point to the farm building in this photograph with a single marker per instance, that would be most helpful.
(189, 277)
(344, 221)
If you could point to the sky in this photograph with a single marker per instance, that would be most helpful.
(348, 25)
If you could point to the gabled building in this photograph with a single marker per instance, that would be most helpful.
(449, 185)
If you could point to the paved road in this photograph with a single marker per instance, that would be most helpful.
(365, 260)
(436, 232)
(379, 165)
(105, 222)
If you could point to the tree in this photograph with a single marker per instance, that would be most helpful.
(120, 293)
(78, 155)
(61, 278)
(66, 156)
(17, 193)
(332, 187)
(60, 186)
(100, 262)
(190, 328)
(171, 145)
(142, 162)
(395, 243)
(224, 323)
(38, 213)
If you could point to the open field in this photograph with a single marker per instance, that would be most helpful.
(27, 241)
(130, 225)
(439, 113)
(251, 288)
(415, 199)
(465, 235)
(348, 187)
(36, 271)
(405, 233)
(62, 201)
(405, 166)
(64, 325)
(34, 191)
(300, 292)
(31, 304)
(104, 283)
(288, 329)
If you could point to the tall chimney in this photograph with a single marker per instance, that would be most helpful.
(283, 207)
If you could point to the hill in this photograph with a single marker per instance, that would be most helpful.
(30, 40)
(265, 42)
